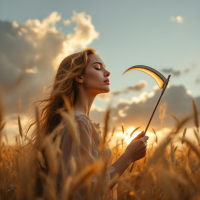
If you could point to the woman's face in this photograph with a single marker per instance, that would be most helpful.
(95, 76)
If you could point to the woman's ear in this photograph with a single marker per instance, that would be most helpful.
(79, 79)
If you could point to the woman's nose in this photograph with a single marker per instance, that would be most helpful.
(107, 73)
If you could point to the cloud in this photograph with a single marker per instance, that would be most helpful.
(171, 71)
(132, 113)
(178, 72)
(178, 19)
(33, 51)
(197, 80)
(190, 68)
(66, 22)
(84, 34)
(138, 87)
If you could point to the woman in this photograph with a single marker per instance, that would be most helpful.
(80, 77)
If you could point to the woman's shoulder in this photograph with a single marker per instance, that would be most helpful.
(82, 117)
(85, 121)
(79, 117)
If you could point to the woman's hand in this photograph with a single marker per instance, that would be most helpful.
(139, 136)
(137, 148)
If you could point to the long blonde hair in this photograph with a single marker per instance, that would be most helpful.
(63, 84)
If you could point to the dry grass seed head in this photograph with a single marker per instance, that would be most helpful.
(48, 187)
(196, 135)
(159, 150)
(1, 117)
(50, 156)
(175, 148)
(72, 166)
(129, 188)
(196, 118)
(122, 125)
(39, 133)
(40, 159)
(162, 110)
(70, 109)
(166, 183)
(110, 183)
(66, 188)
(56, 131)
(20, 126)
(172, 154)
(56, 145)
(106, 120)
(192, 146)
(134, 131)
(156, 138)
(174, 117)
(113, 131)
(184, 132)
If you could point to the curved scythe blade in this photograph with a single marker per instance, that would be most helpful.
(157, 76)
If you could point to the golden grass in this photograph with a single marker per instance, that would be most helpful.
(134, 131)
(30, 171)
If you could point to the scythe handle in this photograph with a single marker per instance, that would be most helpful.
(165, 86)
(157, 104)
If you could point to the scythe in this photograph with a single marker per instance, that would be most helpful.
(159, 78)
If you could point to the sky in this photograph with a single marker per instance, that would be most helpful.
(165, 35)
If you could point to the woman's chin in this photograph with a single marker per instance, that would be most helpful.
(106, 90)
(103, 90)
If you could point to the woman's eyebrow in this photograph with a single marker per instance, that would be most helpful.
(99, 63)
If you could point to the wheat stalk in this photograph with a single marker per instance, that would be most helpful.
(20, 127)
(156, 140)
(174, 117)
(122, 125)
(184, 132)
(72, 127)
(85, 175)
(196, 119)
(197, 137)
(173, 160)
(192, 146)
(134, 131)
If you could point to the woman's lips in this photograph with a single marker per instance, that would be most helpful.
(107, 82)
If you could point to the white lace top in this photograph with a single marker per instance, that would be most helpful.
(90, 136)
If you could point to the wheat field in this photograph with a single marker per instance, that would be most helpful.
(166, 172)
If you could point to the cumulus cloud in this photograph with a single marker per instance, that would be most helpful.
(132, 113)
(178, 19)
(33, 51)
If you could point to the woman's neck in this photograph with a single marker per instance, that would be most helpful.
(84, 102)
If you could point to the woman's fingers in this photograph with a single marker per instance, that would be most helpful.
(145, 138)
(139, 136)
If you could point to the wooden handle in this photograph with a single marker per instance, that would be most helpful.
(163, 90)
(165, 86)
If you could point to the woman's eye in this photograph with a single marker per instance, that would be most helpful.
(97, 68)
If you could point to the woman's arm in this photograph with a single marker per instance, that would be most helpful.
(134, 151)
(120, 166)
